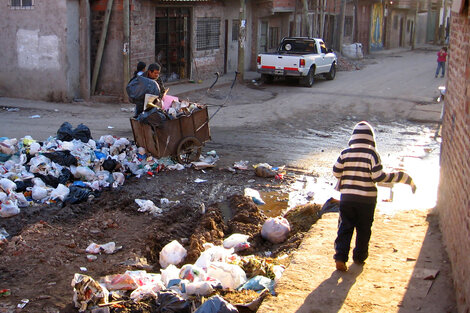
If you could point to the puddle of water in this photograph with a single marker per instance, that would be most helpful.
(225, 210)
(276, 203)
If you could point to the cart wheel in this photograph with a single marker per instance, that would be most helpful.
(189, 150)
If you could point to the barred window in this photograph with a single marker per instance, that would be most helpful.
(21, 4)
(207, 33)
(235, 29)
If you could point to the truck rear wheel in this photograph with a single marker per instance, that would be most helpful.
(266, 78)
(308, 80)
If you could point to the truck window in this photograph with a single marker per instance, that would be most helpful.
(323, 47)
(291, 46)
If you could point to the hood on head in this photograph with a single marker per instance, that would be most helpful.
(363, 133)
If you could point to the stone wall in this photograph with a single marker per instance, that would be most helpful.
(454, 185)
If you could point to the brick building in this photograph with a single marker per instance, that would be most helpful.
(454, 185)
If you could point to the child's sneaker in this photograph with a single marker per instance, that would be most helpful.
(341, 266)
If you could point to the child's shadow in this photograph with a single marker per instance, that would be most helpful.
(329, 296)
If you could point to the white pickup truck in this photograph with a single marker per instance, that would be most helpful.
(300, 57)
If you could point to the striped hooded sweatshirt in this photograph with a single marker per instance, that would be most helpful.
(359, 168)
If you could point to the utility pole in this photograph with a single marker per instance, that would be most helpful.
(242, 41)
(341, 25)
(305, 21)
(437, 21)
(416, 26)
(125, 49)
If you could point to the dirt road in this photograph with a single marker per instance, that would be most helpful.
(281, 124)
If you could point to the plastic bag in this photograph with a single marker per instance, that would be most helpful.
(118, 179)
(87, 291)
(61, 192)
(119, 282)
(63, 158)
(258, 283)
(142, 293)
(66, 133)
(213, 254)
(254, 195)
(148, 206)
(39, 193)
(216, 304)
(7, 185)
(9, 208)
(107, 248)
(171, 302)
(84, 172)
(200, 288)
(276, 229)
(237, 241)
(172, 253)
(230, 275)
(192, 273)
(170, 273)
(3, 196)
(77, 194)
(19, 198)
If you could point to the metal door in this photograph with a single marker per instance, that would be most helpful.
(172, 44)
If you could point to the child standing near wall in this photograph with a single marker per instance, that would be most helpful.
(441, 61)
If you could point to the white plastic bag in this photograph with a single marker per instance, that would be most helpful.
(3, 196)
(192, 273)
(200, 288)
(84, 172)
(237, 241)
(230, 275)
(213, 254)
(9, 208)
(148, 206)
(7, 185)
(34, 148)
(118, 179)
(276, 229)
(107, 248)
(61, 192)
(39, 193)
(19, 198)
(169, 273)
(172, 253)
(254, 195)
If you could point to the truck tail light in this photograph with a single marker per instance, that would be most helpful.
(258, 59)
(302, 63)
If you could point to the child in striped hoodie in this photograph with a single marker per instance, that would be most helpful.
(358, 169)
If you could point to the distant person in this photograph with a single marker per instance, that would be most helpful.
(140, 68)
(358, 169)
(441, 61)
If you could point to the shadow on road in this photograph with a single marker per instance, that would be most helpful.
(332, 292)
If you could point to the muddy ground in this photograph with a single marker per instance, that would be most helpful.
(47, 243)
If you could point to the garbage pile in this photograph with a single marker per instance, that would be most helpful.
(69, 168)
(219, 281)
(158, 110)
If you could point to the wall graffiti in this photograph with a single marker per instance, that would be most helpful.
(377, 27)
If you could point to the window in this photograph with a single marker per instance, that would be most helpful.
(273, 37)
(395, 22)
(235, 29)
(207, 33)
(21, 4)
(348, 25)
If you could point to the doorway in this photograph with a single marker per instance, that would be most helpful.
(172, 44)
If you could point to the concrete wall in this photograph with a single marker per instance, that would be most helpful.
(206, 62)
(34, 52)
(454, 185)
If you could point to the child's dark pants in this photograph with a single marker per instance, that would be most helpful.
(354, 215)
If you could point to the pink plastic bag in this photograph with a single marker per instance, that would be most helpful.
(168, 100)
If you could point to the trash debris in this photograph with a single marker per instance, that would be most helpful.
(199, 180)
(87, 292)
(23, 303)
(276, 229)
(83, 269)
(254, 195)
(107, 248)
(5, 292)
(258, 283)
(172, 253)
(148, 206)
(241, 165)
(216, 304)
(35, 116)
(230, 275)
(237, 241)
